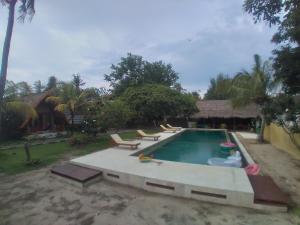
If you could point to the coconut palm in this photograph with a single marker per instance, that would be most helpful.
(254, 87)
(69, 101)
(26, 8)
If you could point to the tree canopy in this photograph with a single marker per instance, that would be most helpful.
(220, 88)
(114, 114)
(133, 70)
(285, 15)
(154, 102)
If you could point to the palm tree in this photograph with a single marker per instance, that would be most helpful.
(26, 8)
(254, 87)
(69, 101)
(77, 82)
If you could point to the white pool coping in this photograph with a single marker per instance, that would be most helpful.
(248, 135)
(223, 185)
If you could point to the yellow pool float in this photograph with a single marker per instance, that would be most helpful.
(143, 158)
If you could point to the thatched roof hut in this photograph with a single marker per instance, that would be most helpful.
(224, 109)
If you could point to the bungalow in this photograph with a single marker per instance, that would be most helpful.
(220, 113)
(48, 118)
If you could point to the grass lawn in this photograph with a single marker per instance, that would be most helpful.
(12, 161)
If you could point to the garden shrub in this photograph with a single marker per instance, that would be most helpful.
(11, 122)
(79, 139)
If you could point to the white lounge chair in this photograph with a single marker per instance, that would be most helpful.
(168, 129)
(119, 141)
(142, 134)
(171, 127)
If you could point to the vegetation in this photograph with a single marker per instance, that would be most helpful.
(52, 83)
(13, 161)
(13, 115)
(133, 71)
(79, 139)
(69, 101)
(114, 114)
(158, 102)
(260, 78)
(26, 9)
(220, 88)
(285, 15)
(284, 108)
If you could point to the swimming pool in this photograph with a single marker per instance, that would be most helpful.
(190, 147)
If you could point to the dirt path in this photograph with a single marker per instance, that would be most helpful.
(35, 198)
(282, 167)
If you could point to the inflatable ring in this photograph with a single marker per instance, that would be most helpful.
(228, 145)
(143, 158)
(252, 169)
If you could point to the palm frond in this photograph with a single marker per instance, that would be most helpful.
(53, 100)
(27, 8)
(23, 108)
(3, 2)
(61, 108)
(72, 105)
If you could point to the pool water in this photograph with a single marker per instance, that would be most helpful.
(190, 147)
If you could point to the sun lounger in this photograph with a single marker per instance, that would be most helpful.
(171, 127)
(119, 141)
(167, 129)
(142, 134)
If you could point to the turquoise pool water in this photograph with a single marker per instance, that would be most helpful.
(190, 147)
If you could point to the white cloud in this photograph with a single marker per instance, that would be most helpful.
(200, 38)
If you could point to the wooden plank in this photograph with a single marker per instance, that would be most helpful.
(74, 172)
(266, 191)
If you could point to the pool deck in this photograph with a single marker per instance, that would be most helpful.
(224, 185)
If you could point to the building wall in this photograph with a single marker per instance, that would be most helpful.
(277, 137)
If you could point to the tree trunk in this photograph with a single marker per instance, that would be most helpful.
(5, 53)
(260, 136)
(27, 152)
(72, 124)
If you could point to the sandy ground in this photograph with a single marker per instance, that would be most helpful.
(36, 198)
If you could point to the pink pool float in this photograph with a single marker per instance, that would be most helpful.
(252, 169)
(228, 144)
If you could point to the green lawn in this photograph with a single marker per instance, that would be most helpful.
(12, 161)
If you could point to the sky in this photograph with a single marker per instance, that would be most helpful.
(200, 38)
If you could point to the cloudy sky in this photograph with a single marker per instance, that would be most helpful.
(201, 38)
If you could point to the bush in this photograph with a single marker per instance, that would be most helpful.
(11, 122)
(114, 114)
(79, 139)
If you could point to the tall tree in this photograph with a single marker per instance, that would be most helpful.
(24, 89)
(286, 16)
(133, 71)
(77, 82)
(38, 87)
(11, 91)
(219, 89)
(26, 9)
(254, 87)
(52, 83)
(153, 103)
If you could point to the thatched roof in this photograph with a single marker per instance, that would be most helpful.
(35, 99)
(224, 109)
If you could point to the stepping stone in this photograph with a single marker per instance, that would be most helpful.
(76, 173)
